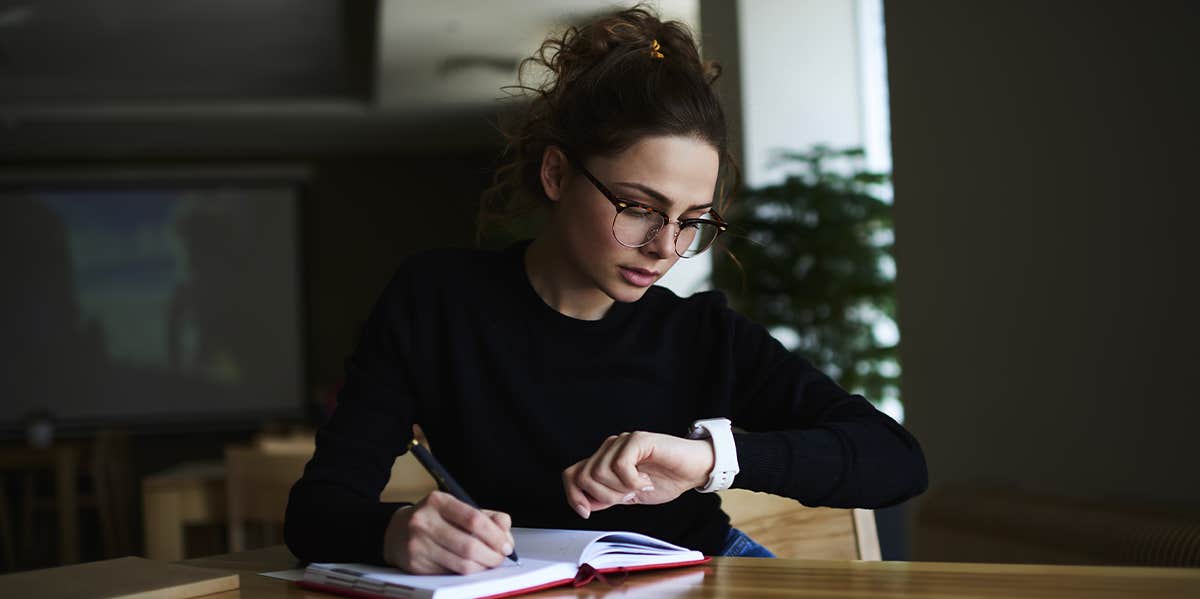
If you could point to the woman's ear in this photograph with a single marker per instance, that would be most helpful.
(554, 172)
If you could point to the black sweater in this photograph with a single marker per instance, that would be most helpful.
(510, 392)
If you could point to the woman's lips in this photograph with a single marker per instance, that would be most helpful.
(638, 277)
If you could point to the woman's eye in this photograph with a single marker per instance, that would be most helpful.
(639, 212)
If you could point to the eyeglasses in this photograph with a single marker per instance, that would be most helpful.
(637, 224)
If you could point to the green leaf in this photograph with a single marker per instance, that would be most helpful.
(809, 257)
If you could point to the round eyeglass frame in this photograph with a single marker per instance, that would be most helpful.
(622, 204)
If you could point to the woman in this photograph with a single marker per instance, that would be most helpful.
(554, 380)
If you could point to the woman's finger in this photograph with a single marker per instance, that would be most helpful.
(465, 553)
(487, 538)
(627, 454)
(586, 495)
(599, 495)
(598, 455)
(504, 521)
(597, 477)
(601, 468)
(445, 555)
(576, 498)
(426, 554)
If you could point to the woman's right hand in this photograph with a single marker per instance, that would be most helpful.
(441, 534)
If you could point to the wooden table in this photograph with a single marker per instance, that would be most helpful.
(752, 577)
(63, 460)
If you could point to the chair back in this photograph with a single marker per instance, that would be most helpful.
(791, 530)
(112, 478)
(261, 475)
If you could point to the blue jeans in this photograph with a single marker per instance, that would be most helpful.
(737, 544)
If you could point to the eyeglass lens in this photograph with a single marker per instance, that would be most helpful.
(635, 227)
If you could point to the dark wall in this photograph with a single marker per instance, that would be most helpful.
(359, 215)
(361, 212)
(1045, 159)
(363, 215)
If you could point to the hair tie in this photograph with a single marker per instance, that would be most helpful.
(654, 50)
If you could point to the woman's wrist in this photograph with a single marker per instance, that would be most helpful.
(706, 459)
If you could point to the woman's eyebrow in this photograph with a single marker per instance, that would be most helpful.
(662, 199)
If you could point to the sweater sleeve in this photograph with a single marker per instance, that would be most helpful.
(807, 438)
(334, 513)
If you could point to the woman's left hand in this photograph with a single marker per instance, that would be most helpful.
(637, 467)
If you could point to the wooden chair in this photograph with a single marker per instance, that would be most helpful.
(188, 495)
(257, 487)
(789, 529)
(110, 466)
(59, 463)
(93, 475)
(261, 475)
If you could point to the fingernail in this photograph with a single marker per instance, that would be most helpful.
(584, 512)
(506, 549)
(647, 488)
(629, 498)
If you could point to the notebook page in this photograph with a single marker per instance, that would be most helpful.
(626, 560)
(630, 549)
(588, 546)
(554, 544)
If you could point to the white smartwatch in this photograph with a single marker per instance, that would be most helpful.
(725, 464)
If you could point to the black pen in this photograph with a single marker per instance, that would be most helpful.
(447, 482)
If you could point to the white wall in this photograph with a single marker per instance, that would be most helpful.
(800, 79)
(799, 82)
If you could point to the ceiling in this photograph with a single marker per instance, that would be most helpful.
(394, 55)
(125, 78)
(64, 52)
(460, 52)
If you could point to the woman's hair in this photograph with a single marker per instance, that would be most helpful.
(605, 88)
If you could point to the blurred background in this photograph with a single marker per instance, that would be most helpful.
(976, 214)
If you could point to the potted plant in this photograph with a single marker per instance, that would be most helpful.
(811, 259)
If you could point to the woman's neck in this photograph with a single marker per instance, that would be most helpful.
(560, 283)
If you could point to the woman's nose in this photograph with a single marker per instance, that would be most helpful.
(663, 244)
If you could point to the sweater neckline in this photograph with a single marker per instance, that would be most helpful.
(543, 311)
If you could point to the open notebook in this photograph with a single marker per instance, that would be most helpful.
(549, 558)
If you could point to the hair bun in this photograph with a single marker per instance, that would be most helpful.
(604, 84)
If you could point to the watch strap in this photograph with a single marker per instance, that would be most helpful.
(725, 464)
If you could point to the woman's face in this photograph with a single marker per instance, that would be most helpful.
(676, 175)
